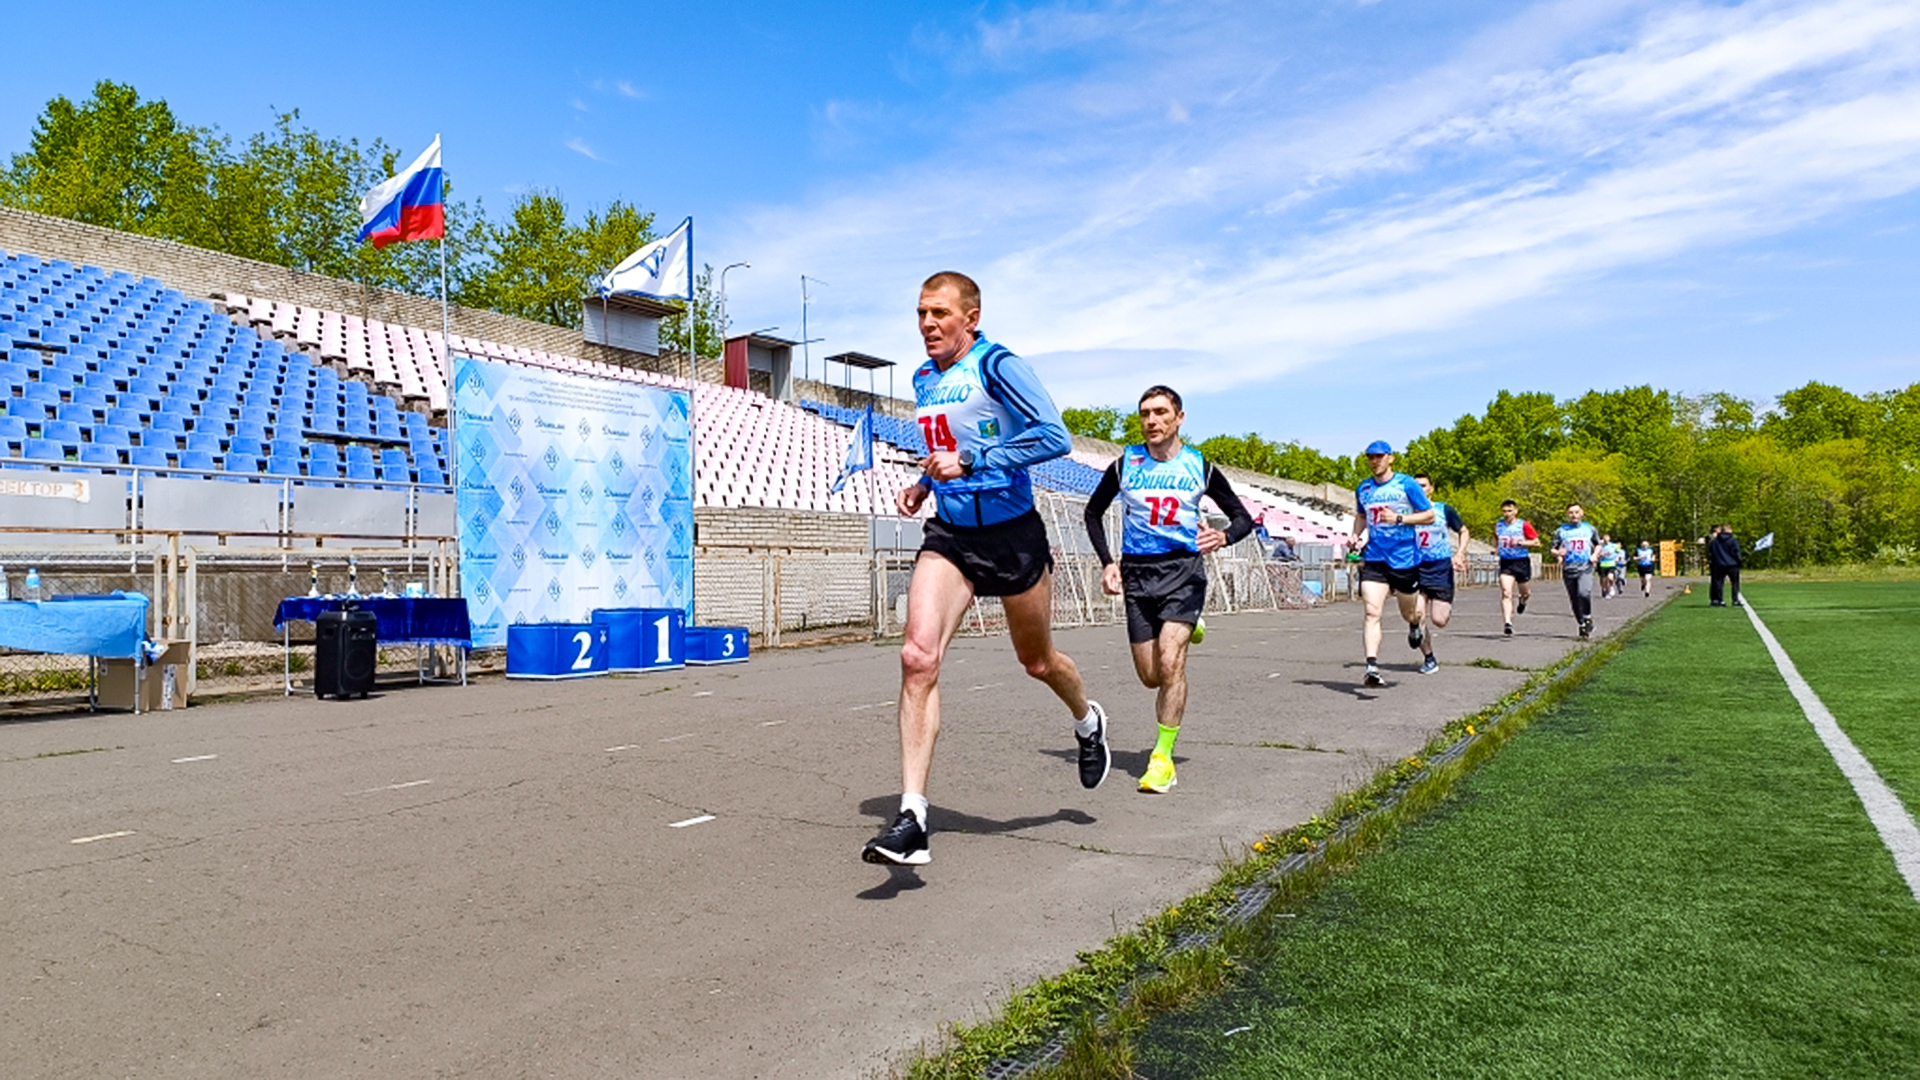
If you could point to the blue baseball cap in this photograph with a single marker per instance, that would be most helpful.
(1378, 446)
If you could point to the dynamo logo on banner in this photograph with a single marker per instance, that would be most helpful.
(572, 496)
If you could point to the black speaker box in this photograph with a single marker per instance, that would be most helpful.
(345, 644)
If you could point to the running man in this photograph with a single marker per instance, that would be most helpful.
(1390, 504)
(1161, 571)
(1440, 559)
(986, 418)
(1514, 536)
(1607, 560)
(1643, 559)
(1573, 545)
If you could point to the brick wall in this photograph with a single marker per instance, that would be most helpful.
(775, 570)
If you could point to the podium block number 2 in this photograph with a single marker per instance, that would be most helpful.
(584, 639)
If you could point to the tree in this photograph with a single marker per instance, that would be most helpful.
(538, 265)
(1093, 423)
(706, 315)
(1817, 413)
(115, 161)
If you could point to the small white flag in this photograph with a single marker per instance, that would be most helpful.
(662, 269)
(1763, 543)
(859, 453)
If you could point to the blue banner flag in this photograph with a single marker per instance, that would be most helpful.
(859, 453)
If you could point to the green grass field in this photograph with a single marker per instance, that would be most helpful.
(1666, 875)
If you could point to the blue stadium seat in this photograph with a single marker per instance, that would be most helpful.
(281, 465)
(238, 463)
(77, 414)
(323, 452)
(64, 431)
(168, 422)
(99, 454)
(206, 442)
(324, 470)
(431, 474)
(132, 419)
(284, 448)
(45, 450)
(13, 430)
(245, 446)
(197, 459)
(148, 457)
(396, 474)
(109, 435)
(90, 395)
(41, 393)
(12, 374)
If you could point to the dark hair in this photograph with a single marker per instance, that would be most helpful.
(1504, 503)
(1575, 503)
(1422, 476)
(1163, 391)
(962, 284)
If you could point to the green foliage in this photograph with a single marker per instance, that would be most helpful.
(1287, 459)
(706, 320)
(1098, 423)
(540, 263)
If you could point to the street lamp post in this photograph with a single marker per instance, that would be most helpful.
(726, 323)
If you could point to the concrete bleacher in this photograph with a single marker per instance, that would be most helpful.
(106, 371)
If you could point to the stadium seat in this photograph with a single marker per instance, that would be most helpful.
(284, 448)
(197, 459)
(108, 435)
(131, 419)
(431, 474)
(62, 431)
(243, 446)
(238, 463)
(282, 465)
(42, 393)
(396, 474)
(13, 430)
(44, 450)
(168, 423)
(206, 442)
(323, 470)
(99, 454)
(148, 457)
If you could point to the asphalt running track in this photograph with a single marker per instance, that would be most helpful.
(653, 876)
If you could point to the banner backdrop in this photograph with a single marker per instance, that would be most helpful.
(575, 493)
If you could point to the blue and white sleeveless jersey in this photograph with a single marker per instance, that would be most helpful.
(1160, 501)
(1579, 542)
(1377, 503)
(1644, 555)
(1511, 537)
(1434, 541)
(991, 403)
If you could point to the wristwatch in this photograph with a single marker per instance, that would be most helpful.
(966, 463)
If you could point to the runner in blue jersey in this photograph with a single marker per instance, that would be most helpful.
(986, 418)
(1440, 557)
(1606, 561)
(1575, 544)
(1161, 572)
(1513, 538)
(1389, 505)
(1643, 560)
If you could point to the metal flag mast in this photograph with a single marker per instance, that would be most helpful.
(446, 376)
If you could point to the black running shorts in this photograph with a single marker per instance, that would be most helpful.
(1160, 590)
(1517, 569)
(1005, 559)
(1401, 581)
(1646, 569)
(1436, 580)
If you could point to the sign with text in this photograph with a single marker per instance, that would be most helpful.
(575, 493)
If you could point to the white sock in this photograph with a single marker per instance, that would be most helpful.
(1088, 724)
(916, 804)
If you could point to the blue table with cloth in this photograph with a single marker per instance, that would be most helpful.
(416, 620)
(108, 626)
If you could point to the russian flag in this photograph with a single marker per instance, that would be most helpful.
(410, 206)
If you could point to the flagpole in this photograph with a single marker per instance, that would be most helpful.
(446, 375)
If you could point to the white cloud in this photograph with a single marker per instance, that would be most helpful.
(1581, 138)
(580, 146)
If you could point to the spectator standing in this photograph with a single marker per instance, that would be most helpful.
(1723, 564)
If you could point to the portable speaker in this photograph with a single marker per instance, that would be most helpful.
(344, 654)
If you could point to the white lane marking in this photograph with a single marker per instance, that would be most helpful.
(102, 836)
(1275, 675)
(701, 820)
(622, 746)
(390, 787)
(184, 760)
(771, 723)
(875, 705)
(703, 693)
(1884, 809)
(677, 738)
(986, 686)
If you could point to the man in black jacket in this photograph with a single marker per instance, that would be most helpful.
(1723, 562)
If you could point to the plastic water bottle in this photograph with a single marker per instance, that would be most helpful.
(33, 583)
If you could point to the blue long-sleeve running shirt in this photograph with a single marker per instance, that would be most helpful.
(989, 402)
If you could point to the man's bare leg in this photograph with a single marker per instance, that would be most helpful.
(1506, 599)
(937, 599)
(1170, 658)
(1030, 624)
(1373, 595)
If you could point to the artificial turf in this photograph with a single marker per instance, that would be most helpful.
(1665, 875)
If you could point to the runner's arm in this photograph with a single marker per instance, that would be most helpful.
(1239, 521)
(1012, 382)
(1097, 503)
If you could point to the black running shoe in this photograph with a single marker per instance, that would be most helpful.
(904, 843)
(1095, 758)
(1509, 630)
(1520, 607)
(1372, 677)
(1586, 629)
(1416, 633)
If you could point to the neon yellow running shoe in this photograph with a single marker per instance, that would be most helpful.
(1159, 778)
(1199, 632)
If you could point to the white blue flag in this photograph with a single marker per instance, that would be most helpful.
(662, 269)
(1763, 543)
(860, 453)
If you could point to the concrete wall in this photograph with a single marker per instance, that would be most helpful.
(774, 570)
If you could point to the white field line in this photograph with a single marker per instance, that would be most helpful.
(198, 757)
(102, 836)
(1884, 809)
(390, 787)
(701, 820)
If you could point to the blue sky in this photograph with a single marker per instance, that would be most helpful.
(1329, 221)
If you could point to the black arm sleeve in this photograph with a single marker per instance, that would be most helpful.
(1453, 522)
(1097, 503)
(1239, 522)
